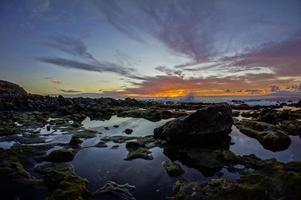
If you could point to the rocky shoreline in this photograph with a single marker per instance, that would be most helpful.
(37, 166)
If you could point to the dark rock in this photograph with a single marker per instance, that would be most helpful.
(249, 114)
(273, 116)
(61, 155)
(291, 127)
(101, 144)
(117, 139)
(235, 113)
(85, 134)
(115, 146)
(128, 131)
(75, 141)
(8, 89)
(205, 125)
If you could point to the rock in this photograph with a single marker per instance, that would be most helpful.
(206, 125)
(101, 144)
(268, 135)
(8, 89)
(84, 134)
(117, 139)
(11, 165)
(273, 116)
(8, 128)
(235, 113)
(173, 169)
(15, 165)
(249, 114)
(140, 152)
(291, 127)
(117, 190)
(63, 183)
(115, 146)
(61, 155)
(140, 148)
(116, 126)
(75, 141)
(128, 131)
(134, 145)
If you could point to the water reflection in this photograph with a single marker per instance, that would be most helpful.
(244, 145)
(141, 127)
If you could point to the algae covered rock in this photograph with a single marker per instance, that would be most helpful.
(139, 148)
(111, 188)
(269, 180)
(268, 135)
(62, 183)
(173, 169)
(8, 128)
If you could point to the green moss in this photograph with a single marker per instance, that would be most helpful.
(173, 169)
(62, 183)
(139, 153)
(8, 128)
(84, 134)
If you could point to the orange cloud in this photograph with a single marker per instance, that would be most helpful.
(175, 86)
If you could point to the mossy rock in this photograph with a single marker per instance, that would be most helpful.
(101, 144)
(139, 153)
(173, 169)
(62, 182)
(85, 134)
(117, 139)
(8, 128)
(61, 155)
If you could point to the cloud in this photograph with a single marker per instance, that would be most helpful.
(69, 91)
(94, 67)
(69, 45)
(175, 86)
(85, 60)
(274, 88)
(56, 81)
(52, 80)
(205, 30)
(169, 71)
(283, 58)
(182, 27)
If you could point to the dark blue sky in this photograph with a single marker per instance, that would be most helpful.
(152, 48)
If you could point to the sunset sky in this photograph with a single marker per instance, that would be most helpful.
(152, 48)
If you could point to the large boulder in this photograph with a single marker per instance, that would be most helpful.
(205, 125)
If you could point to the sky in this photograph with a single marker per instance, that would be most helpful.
(152, 48)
